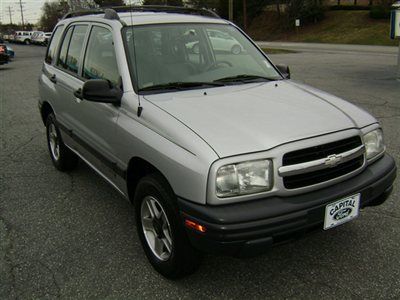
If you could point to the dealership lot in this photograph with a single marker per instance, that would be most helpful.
(73, 236)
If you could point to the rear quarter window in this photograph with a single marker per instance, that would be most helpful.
(51, 50)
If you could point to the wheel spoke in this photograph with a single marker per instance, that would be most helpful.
(167, 244)
(156, 212)
(150, 208)
(158, 246)
(156, 228)
(148, 223)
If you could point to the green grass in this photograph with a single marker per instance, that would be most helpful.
(277, 51)
(339, 27)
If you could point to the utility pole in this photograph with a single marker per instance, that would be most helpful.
(244, 15)
(10, 13)
(22, 13)
(231, 10)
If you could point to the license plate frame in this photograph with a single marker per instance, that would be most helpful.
(342, 211)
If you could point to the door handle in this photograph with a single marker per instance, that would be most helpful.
(78, 94)
(53, 78)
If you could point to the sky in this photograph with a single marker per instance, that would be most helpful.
(31, 8)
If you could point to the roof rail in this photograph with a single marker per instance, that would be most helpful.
(144, 8)
(79, 13)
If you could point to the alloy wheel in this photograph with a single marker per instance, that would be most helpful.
(156, 228)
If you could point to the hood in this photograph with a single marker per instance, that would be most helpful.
(256, 117)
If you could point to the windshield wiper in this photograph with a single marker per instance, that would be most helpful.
(180, 86)
(244, 78)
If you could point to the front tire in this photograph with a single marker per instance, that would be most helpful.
(61, 156)
(160, 229)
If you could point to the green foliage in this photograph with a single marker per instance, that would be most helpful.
(51, 13)
(379, 12)
(163, 2)
(349, 7)
(307, 11)
(108, 3)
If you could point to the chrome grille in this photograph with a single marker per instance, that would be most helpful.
(321, 163)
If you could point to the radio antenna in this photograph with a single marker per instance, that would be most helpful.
(140, 108)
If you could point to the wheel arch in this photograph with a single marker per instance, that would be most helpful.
(139, 168)
(45, 110)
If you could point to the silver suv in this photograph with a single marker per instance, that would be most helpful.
(218, 150)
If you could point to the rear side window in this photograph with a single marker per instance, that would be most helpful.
(62, 59)
(100, 60)
(51, 50)
(71, 48)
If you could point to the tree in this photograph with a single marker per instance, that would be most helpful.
(163, 2)
(108, 3)
(51, 13)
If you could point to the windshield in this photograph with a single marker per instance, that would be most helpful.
(168, 55)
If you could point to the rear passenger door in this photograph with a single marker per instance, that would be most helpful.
(67, 74)
(47, 80)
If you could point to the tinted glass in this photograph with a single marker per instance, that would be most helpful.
(75, 48)
(62, 59)
(193, 53)
(53, 44)
(100, 60)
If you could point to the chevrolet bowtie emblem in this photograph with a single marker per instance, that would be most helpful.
(333, 160)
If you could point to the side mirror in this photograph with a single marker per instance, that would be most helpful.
(100, 90)
(285, 71)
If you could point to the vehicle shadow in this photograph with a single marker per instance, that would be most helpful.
(2, 68)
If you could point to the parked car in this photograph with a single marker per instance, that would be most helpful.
(37, 37)
(218, 153)
(41, 38)
(47, 37)
(220, 41)
(11, 38)
(23, 37)
(4, 57)
(10, 51)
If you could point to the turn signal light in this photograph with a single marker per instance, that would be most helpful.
(195, 226)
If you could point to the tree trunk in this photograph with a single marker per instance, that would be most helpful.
(244, 15)
(278, 7)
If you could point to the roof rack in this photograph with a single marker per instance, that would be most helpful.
(144, 8)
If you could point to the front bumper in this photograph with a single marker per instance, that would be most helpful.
(249, 228)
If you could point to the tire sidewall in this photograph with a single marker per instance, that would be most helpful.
(150, 186)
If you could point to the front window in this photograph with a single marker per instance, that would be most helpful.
(184, 56)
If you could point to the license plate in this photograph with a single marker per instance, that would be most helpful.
(341, 211)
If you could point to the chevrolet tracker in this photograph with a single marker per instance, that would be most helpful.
(218, 150)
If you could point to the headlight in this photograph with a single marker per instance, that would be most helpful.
(244, 178)
(374, 144)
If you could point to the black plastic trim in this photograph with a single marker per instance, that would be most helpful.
(277, 219)
(110, 164)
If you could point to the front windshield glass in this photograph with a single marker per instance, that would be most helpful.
(193, 55)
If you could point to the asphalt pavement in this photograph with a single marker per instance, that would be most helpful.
(72, 236)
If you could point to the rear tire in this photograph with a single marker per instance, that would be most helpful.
(61, 156)
(27, 42)
(157, 218)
